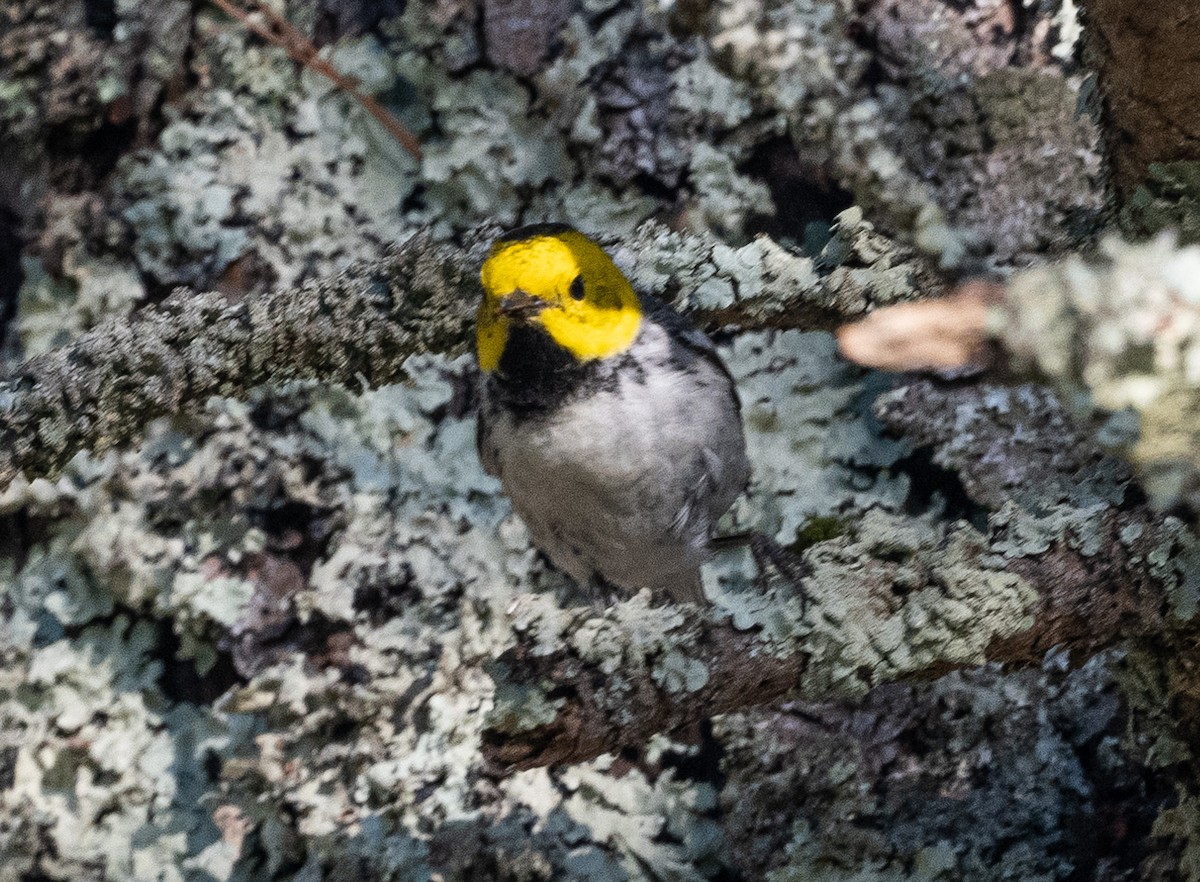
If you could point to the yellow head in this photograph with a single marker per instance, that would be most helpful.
(554, 277)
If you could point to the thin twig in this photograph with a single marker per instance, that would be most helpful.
(278, 31)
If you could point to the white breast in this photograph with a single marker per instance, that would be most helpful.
(627, 483)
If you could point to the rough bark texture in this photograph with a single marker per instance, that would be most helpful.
(1145, 56)
(744, 675)
(1081, 603)
(100, 391)
(518, 34)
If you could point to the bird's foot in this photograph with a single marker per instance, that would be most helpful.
(602, 593)
(769, 554)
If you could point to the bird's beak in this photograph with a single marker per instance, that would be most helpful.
(520, 306)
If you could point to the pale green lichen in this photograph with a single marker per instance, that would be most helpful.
(941, 590)
(422, 564)
(1169, 199)
(520, 708)
(1124, 329)
(1182, 822)
(107, 771)
(816, 450)
(316, 173)
(54, 309)
(281, 614)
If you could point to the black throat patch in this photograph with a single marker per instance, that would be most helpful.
(535, 374)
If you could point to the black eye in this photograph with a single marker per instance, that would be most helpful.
(577, 288)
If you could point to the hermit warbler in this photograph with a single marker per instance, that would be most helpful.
(611, 423)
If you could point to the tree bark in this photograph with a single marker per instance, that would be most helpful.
(1145, 56)
(888, 604)
(99, 392)
(873, 620)
(359, 327)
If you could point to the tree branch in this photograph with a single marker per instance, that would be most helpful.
(1145, 55)
(100, 391)
(887, 606)
(1065, 561)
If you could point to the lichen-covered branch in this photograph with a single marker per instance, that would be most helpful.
(1122, 325)
(894, 602)
(359, 327)
(592, 704)
(99, 392)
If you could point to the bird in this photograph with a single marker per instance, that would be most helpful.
(611, 422)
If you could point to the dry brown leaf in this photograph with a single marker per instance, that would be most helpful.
(929, 335)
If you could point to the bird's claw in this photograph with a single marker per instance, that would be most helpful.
(769, 554)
